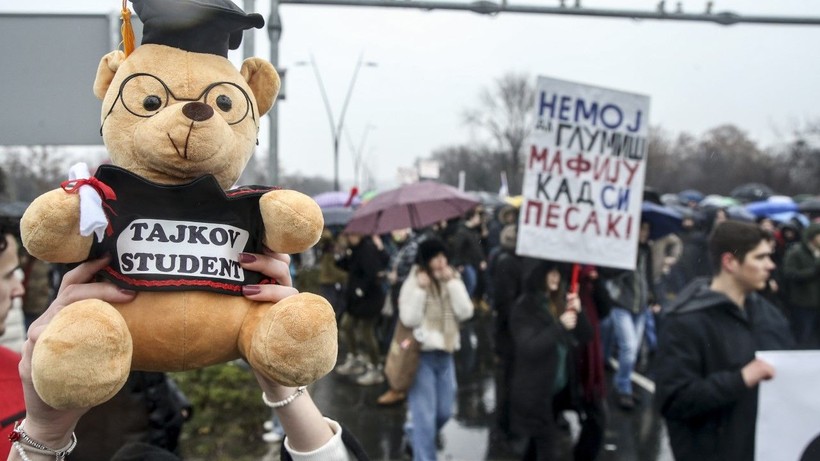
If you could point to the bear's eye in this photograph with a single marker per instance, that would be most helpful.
(143, 95)
(152, 103)
(224, 103)
(229, 101)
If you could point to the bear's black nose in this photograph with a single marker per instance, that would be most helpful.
(198, 111)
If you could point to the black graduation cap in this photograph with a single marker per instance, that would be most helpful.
(200, 26)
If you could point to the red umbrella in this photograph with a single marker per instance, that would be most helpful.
(415, 206)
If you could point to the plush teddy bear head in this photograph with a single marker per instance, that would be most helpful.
(180, 123)
(171, 115)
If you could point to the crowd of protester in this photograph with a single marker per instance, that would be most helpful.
(558, 350)
(557, 347)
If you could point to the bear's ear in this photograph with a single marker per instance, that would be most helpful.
(263, 80)
(105, 72)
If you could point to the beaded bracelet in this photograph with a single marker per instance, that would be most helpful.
(299, 391)
(23, 442)
(21, 451)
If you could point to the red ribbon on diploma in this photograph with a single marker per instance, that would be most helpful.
(73, 186)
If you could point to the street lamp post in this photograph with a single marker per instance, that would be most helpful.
(275, 32)
(358, 153)
(336, 129)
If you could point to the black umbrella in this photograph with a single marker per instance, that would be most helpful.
(752, 192)
(651, 195)
(811, 205)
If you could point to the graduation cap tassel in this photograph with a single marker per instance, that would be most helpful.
(126, 30)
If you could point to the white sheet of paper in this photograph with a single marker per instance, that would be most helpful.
(788, 411)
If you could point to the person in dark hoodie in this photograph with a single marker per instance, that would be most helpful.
(801, 271)
(547, 324)
(707, 375)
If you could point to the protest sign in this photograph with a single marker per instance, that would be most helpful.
(788, 410)
(584, 173)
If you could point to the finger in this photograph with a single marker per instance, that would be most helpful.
(268, 264)
(285, 258)
(24, 367)
(104, 291)
(268, 293)
(84, 272)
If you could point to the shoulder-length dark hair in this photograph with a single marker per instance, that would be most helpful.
(535, 283)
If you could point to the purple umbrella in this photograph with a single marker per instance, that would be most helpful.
(337, 199)
(415, 206)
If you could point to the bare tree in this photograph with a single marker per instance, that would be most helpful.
(480, 166)
(33, 170)
(796, 166)
(4, 185)
(725, 157)
(506, 113)
(307, 185)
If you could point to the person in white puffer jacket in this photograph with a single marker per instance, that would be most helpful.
(432, 301)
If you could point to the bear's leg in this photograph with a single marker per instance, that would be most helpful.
(292, 342)
(83, 357)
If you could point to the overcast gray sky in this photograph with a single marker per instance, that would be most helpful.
(432, 65)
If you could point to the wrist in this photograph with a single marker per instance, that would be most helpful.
(283, 402)
(50, 433)
(33, 444)
(277, 392)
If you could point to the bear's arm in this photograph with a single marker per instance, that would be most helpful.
(293, 221)
(50, 228)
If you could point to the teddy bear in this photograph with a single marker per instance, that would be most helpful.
(180, 122)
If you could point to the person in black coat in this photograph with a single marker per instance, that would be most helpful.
(365, 262)
(546, 326)
(694, 259)
(468, 255)
(505, 276)
(707, 373)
